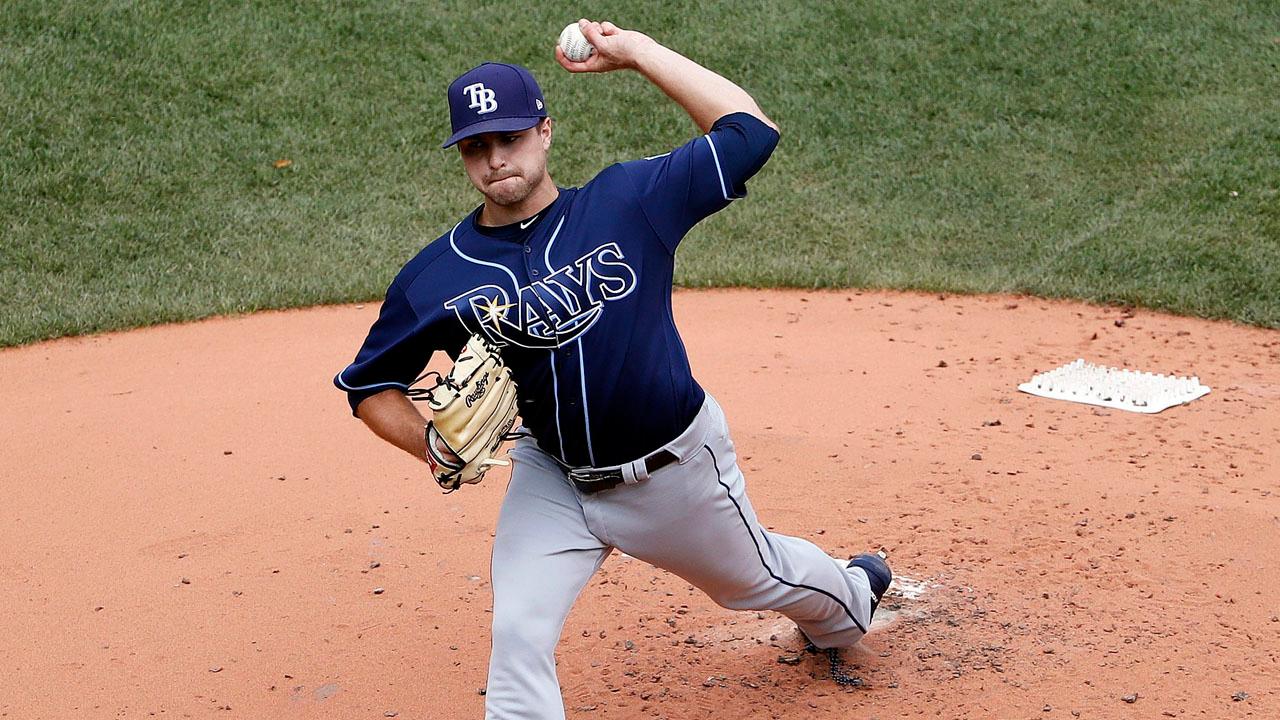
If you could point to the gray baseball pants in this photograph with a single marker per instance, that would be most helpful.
(691, 518)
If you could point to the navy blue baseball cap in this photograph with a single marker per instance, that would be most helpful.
(494, 97)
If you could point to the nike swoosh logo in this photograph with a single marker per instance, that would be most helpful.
(528, 222)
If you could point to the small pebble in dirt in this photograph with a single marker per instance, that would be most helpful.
(789, 659)
(942, 363)
(378, 591)
(375, 564)
(1119, 323)
(1130, 698)
(185, 581)
(990, 423)
(390, 713)
(629, 645)
(482, 691)
(1047, 708)
(215, 669)
(1240, 695)
(976, 456)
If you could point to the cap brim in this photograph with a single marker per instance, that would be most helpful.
(506, 124)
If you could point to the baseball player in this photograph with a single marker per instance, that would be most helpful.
(622, 448)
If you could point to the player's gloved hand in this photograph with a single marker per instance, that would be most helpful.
(472, 411)
(616, 48)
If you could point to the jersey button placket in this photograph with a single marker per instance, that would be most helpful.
(528, 261)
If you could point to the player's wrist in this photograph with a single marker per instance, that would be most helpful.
(646, 55)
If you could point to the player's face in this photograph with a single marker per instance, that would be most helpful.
(507, 167)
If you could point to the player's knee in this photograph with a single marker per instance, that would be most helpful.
(738, 602)
(517, 632)
(736, 598)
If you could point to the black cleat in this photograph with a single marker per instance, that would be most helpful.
(878, 573)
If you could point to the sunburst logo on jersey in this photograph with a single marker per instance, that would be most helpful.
(491, 310)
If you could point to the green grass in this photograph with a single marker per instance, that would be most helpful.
(1115, 152)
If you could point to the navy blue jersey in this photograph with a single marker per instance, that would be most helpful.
(578, 298)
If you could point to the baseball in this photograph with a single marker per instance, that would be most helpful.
(574, 43)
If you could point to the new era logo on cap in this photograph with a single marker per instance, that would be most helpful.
(494, 97)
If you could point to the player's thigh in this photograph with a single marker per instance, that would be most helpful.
(696, 521)
(543, 552)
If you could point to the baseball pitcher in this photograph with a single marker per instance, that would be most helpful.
(555, 303)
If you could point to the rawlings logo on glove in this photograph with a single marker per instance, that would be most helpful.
(472, 411)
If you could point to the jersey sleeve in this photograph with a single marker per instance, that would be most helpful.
(393, 354)
(680, 188)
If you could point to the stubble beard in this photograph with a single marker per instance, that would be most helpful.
(510, 192)
(515, 191)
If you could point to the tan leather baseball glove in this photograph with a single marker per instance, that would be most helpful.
(472, 411)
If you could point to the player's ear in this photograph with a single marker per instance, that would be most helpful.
(544, 129)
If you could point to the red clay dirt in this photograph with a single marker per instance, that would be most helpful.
(194, 526)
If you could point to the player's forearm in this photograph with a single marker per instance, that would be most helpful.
(393, 417)
(704, 94)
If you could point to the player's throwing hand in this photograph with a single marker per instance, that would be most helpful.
(616, 49)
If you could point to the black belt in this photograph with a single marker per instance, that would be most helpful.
(592, 481)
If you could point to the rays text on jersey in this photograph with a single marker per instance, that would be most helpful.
(548, 313)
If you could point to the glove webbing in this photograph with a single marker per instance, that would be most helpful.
(423, 394)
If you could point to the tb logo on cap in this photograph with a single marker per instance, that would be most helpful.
(482, 98)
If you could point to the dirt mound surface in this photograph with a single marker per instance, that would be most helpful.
(194, 526)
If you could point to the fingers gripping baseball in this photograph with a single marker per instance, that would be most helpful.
(615, 48)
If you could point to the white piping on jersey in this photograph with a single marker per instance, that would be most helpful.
(555, 389)
(515, 284)
(655, 157)
(586, 417)
(546, 254)
(716, 157)
(555, 382)
(345, 386)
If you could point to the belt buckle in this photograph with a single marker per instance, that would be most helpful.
(591, 481)
(584, 475)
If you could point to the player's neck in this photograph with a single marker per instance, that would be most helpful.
(494, 215)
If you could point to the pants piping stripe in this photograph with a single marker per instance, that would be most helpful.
(715, 461)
